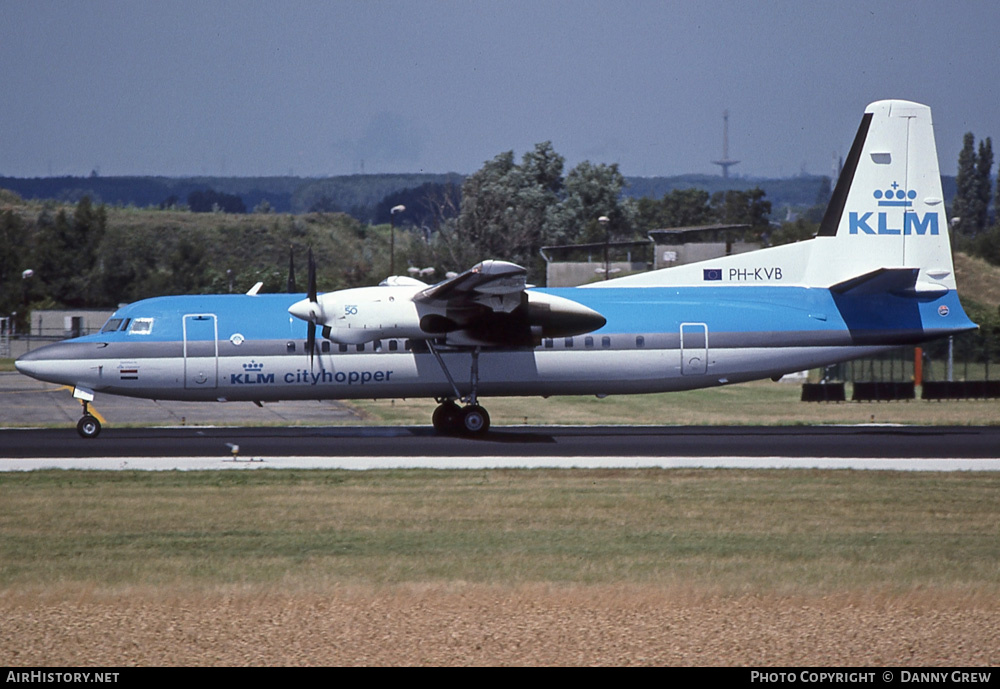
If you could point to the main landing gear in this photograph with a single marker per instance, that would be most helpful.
(88, 426)
(449, 417)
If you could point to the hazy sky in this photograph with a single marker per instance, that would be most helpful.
(179, 87)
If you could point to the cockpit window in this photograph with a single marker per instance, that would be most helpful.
(112, 325)
(141, 326)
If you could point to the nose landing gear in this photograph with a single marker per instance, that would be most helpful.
(88, 426)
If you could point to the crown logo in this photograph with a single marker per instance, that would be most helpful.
(895, 196)
(253, 367)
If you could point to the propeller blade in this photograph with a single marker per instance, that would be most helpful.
(311, 333)
(291, 271)
(311, 342)
(312, 276)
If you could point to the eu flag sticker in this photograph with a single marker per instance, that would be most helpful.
(712, 274)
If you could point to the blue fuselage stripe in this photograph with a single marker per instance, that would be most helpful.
(764, 311)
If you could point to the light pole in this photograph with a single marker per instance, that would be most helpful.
(392, 237)
(25, 276)
(605, 222)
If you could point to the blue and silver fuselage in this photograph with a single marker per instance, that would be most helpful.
(241, 347)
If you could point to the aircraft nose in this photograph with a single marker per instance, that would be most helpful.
(65, 363)
(24, 364)
(37, 364)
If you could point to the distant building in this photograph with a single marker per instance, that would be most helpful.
(569, 265)
(681, 245)
(62, 323)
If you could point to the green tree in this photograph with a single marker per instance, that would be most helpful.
(679, 208)
(188, 266)
(54, 258)
(590, 192)
(967, 208)
(67, 253)
(13, 261)
(984, 166)
(795, 231)
(504, 209)
(509, 210)
(742, 208)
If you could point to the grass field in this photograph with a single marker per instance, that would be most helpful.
(758, 403)
(530, 567)
(722, 531)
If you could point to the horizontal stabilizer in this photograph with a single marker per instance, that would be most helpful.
(892, 280)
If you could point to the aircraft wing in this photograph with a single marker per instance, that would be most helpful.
(488, 305)
(497, 285)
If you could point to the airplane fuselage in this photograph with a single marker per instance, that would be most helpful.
(656, 339)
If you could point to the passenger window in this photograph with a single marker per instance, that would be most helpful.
(361, 347)
(325, 347)
(141, 326)
(548, 343)
(568, 342)
(606, 341)
(289, 347)
(588, 341)
(640, 341)
(342, 348)
(393, 345)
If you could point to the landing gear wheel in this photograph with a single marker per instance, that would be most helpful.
(446, 417)
(475, 420)
(88, 427)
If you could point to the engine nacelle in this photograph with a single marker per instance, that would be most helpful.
(360, 315)
(363, 314)
(540, 315)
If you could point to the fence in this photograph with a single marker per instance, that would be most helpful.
(957, 368)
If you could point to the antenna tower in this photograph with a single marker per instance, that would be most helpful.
(726, 161)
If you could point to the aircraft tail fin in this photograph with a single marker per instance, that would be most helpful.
(886, 212)
(887, 209)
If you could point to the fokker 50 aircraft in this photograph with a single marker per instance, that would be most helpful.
(878, 275)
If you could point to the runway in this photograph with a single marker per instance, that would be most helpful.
(352, 447)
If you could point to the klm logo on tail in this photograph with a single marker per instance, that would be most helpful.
(913, 223)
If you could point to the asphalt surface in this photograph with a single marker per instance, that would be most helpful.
(27, 402)
(822, 442)
(212, 430)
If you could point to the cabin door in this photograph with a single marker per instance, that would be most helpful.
(201, 351)
(694, 349)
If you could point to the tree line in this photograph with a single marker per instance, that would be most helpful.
(977, 230)
(510, 209)
(91, 255)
